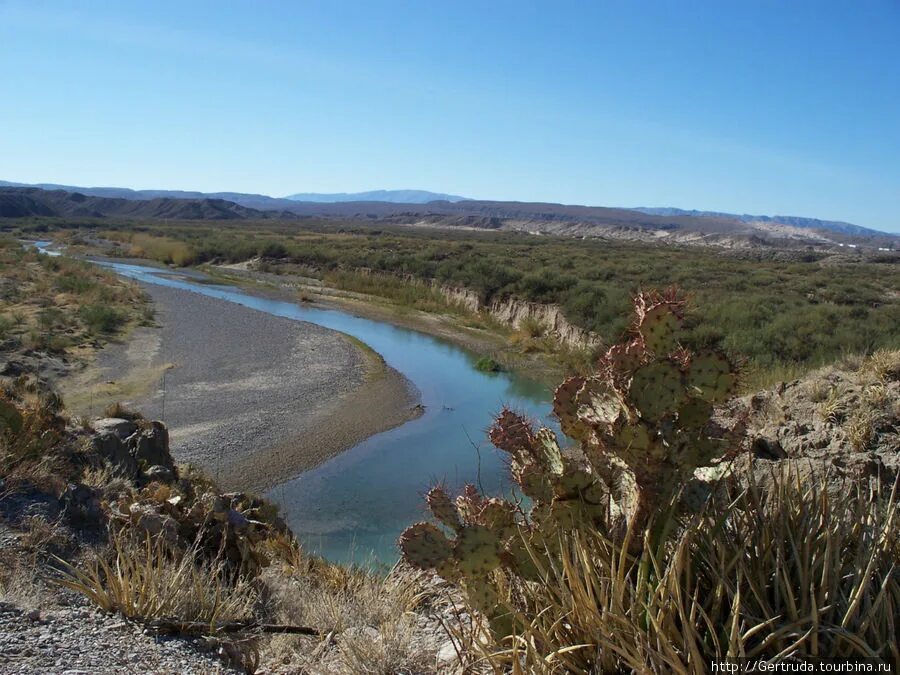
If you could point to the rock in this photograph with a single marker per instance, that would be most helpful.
(160, 474)
(447, 656)
(81, 504)
(146, 518)
(150, 446)
(112, 448)
(116, 425)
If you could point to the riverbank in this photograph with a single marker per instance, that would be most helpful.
(542, 360)
(250, 397)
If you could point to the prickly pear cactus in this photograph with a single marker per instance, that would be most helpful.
(642, 423)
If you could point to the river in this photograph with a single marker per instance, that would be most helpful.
(353, 507)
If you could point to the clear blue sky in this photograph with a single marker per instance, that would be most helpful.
(775, 107)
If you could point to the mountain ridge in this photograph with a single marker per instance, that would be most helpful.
(392, 196)
(421, 198)
(795, 221)
(535, 218)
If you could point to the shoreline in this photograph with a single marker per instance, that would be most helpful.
(446, 326)
(252, 398)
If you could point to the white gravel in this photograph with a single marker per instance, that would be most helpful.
(79, 640)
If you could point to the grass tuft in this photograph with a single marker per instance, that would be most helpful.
(789, 569)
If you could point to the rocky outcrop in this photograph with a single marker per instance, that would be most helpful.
(137, 450)
(843, 420)
(514, 312)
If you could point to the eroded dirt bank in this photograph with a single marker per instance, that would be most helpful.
(252, 398)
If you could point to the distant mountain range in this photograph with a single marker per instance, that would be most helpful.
(795, 221)
(393, 196)
(251, 200)
(26, 202)
(666, 225)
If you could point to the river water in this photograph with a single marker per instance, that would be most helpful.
(353, 507)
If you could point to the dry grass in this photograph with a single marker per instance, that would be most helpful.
(884, 364)
(368, 621)
(33, 451)
(121, 411)
(830, 407)
(20, 581)
(860, 429)
(790, 571)
(150, 580)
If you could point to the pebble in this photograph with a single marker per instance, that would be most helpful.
(74, 641)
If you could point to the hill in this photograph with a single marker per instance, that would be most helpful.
(250, 200)
(794, 221)
(536, 218)
(26, 202)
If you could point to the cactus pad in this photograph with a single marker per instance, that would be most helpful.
(638, 446)
(602, 408)
(565, 407)
(659, 327)
(425, 546)
(572, 483)
(711, 376)
(521, 557)
(513, 433)
(477, 551)
(531, 478)
(551, 454)
(481, 593)
(694, 495)
(657, 389)
(623, 359)
(442, 507)
(694, 414)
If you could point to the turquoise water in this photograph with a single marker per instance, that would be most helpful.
(353, 507)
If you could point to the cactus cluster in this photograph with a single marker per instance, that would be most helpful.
(643, 424)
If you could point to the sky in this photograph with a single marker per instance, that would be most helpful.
(763, 107)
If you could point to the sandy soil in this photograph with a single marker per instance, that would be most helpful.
(252, 398)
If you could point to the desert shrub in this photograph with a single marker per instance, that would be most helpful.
(101, 318)
(32, 448)
(121, 411)
(767, 306)
(532, 328)
(74, 282)
(6, 326)
(148, 579)
(487, 364)
(273, 249)
(163, 249)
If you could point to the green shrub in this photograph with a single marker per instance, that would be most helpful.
(100, 318)
(487, 364)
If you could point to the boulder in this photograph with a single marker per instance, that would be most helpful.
(122, 428)
(146, 518)
(113, 449)
(128, 447)
(150, 446)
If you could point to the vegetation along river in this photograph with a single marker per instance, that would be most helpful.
(353, 507)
